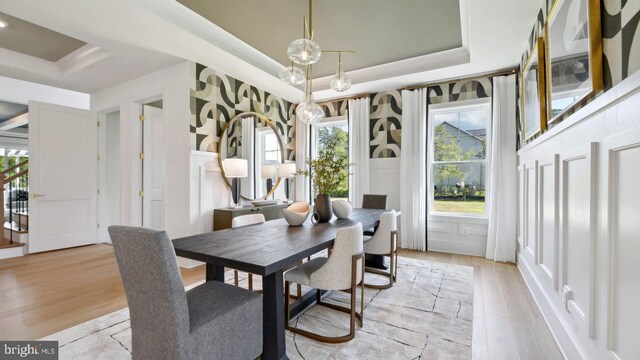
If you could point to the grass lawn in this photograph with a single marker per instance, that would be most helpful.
(470, 207)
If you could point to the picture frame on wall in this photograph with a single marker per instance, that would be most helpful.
(534, 113)
(573, 48)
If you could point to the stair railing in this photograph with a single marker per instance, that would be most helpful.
(19, 182)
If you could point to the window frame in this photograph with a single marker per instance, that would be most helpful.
(314, 143)
(457, 107)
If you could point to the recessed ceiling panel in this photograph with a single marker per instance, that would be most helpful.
(9, 110)
(381, 31)
(30, 39)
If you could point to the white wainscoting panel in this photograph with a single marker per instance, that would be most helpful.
(531, 211)
(623, 152)
(580, 226)
(547, 211)
(579, 173)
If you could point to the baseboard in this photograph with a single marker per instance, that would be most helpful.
(456, 247)
(9, 253)
(188, 263)
(566, 341)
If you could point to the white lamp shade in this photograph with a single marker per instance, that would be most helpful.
(287, 170)
(269, 171)
(236, 168)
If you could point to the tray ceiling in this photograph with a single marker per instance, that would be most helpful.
(30, 39)
(381, 31)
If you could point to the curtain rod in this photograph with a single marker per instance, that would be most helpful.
(471, 77)
(508, 71)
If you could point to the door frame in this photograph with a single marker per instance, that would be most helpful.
(130, 166)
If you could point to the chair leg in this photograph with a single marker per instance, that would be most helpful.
(362, 296)
(352, 320)
(388, 274)
(251, 282)
(299, 288)
(287, 286)
(235, 277)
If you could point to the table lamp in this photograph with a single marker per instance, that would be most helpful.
(287, 172)
(269, 172)
(235, 169)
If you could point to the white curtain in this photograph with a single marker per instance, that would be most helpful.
(413, 185)
(248, 143)
(501, 238)
(302, 153)
(359, 149)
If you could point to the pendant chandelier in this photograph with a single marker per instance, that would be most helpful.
(307, 52)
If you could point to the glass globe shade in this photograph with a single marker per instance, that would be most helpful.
(340, 82)
(309, 112)
(292, 76)
(304, 52)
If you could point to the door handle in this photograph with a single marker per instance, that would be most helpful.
(35, 196)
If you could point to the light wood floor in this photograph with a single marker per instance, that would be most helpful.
(44, 293)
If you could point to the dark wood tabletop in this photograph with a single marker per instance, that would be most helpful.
(264, 248)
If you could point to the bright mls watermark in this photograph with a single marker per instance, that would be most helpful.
(44, 350)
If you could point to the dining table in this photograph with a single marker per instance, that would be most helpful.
(268, 249)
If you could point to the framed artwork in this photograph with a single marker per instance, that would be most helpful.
(534, 113)
(574, 55)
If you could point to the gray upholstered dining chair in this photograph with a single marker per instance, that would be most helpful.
(210, 321)
(384, 242)
(373, 201)
(342, 270)
(246, 220)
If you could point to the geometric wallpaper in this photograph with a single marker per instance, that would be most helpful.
(216, 98)
(620, 41)
(385, 124)
(385, 114)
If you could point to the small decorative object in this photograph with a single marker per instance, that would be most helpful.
(574, 55)
(315, 218)
(297, 213)
(329, 173)
(235, 169)
(323, 207)
(287, 172)
(534, 111)
(341, 208)
(264, 202)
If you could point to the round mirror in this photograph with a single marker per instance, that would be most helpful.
(254, 138)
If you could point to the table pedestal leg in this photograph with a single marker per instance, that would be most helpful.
(214, 273)
(273, 336)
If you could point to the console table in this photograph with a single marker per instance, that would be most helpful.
(222, 217)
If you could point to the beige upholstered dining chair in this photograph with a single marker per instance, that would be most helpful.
(342, 270)
(384, 242)
(246, 220)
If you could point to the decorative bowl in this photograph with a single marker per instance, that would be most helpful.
(341, 208)
(265, 202)
(297, 213)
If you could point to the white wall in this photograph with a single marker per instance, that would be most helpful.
(110, 166)
(579, 226)
(172, 85)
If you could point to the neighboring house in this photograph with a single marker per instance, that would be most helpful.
(468, 140)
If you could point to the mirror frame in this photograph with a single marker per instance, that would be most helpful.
(224, 131)
(595, 58)
(539, 53)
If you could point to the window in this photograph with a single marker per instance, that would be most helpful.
(458, 172)
(334, 131)
(267, 153)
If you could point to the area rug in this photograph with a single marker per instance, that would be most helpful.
(427, 314)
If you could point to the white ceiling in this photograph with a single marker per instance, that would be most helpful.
(380, 31)
(129, 38)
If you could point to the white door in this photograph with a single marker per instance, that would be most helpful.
(153, 174)
(62, 177)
